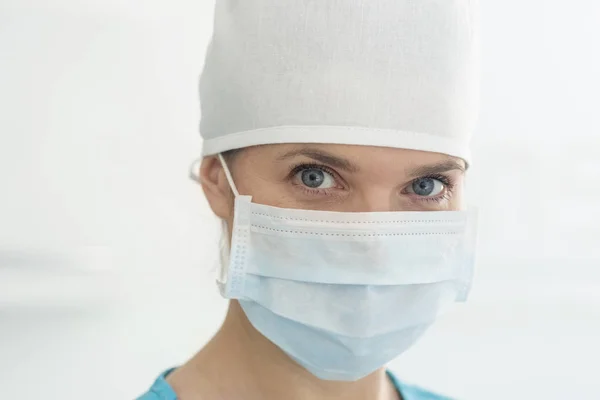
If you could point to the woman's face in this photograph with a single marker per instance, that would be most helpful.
(336, 178)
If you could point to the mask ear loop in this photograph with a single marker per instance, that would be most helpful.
(224, 245)
(196, 178)
(228, 175)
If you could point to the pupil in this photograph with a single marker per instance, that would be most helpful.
(423, 186)
(313, 177)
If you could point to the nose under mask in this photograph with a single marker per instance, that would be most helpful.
(345, 293)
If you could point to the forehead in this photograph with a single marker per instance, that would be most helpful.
(355, 156)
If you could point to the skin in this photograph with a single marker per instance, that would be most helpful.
(240, 363)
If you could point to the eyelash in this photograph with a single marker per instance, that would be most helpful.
(446, 181)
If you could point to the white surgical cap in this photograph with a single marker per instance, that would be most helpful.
(394, 73)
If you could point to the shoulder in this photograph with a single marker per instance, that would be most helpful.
(160, 389)
(412, 392)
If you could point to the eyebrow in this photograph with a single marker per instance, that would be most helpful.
(321, 156)
(338, 162)
(438, 168)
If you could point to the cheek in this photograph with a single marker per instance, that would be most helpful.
(457, 201)
(265, 189)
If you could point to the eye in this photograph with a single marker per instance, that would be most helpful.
(315, 178)
(427, 187)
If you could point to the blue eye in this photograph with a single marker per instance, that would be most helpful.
(316, 178)
(427, 187)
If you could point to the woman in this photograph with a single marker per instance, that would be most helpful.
(335, 147)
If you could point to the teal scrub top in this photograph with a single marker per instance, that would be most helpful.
(161, 390)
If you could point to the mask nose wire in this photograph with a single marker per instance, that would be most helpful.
(228, 175)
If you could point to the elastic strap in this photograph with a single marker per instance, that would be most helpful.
(228, 175)
(196, 178)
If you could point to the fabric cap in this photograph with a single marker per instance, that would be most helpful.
(395, 73)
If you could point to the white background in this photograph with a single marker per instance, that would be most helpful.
(107, 250)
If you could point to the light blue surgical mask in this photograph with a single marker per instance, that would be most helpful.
(345, 293)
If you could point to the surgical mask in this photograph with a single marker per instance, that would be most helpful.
(344, 293)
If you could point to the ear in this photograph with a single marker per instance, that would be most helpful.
(216, 188)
